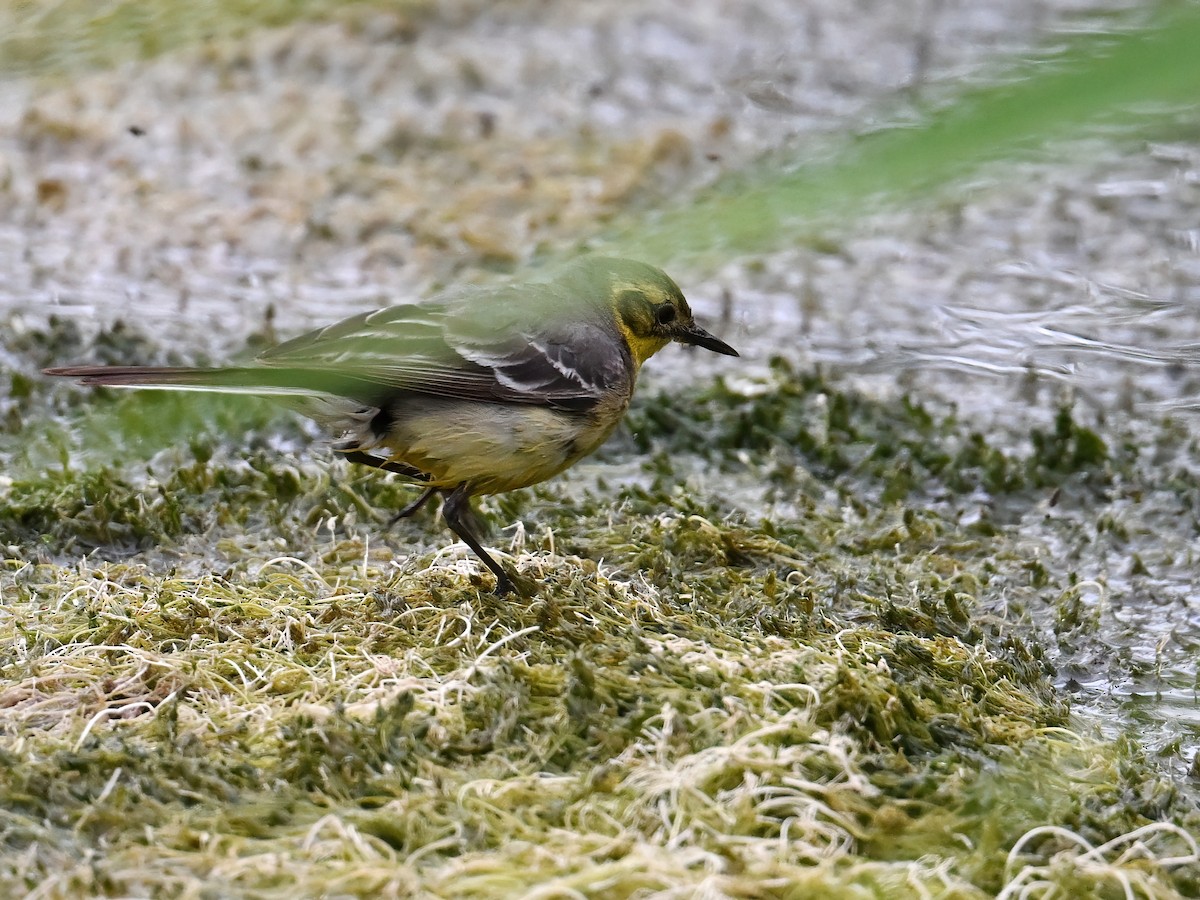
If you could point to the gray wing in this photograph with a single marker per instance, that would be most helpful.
(496, 346)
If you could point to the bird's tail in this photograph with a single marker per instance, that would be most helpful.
(230, 379)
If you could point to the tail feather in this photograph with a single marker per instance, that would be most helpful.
(229, 379)
(143, 376)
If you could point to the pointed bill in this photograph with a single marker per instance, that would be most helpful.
(698, 337)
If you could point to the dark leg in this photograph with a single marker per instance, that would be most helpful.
(388, 465)
(456, 510)
(412, 507)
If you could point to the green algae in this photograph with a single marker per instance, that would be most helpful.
(833, 433)
(818, 703)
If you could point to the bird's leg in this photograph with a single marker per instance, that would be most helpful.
(387, 465)
(456, 510)
(412, 507)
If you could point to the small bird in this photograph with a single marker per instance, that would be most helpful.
(473, 392)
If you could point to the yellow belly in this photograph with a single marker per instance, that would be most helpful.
(495, 447)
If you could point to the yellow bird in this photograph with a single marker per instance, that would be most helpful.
(476, 391)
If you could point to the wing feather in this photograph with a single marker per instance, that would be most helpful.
(497, 345)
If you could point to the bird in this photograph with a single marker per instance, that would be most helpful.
(470, 392)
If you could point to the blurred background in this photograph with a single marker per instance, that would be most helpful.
(898, 188)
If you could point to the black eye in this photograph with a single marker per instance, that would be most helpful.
(665, 314)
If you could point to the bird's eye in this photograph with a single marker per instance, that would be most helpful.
(665, 314)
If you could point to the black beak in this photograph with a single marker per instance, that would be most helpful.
(698, 337)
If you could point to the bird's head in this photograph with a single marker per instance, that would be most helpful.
(650, 310)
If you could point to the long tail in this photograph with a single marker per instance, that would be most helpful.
(231, 379)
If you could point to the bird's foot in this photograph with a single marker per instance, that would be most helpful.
(509, 583)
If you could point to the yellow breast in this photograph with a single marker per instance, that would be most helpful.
(496, 447)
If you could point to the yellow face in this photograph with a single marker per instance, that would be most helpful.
(645, 314)
(651, 312)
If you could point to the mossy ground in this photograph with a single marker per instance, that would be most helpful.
(223, 675)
